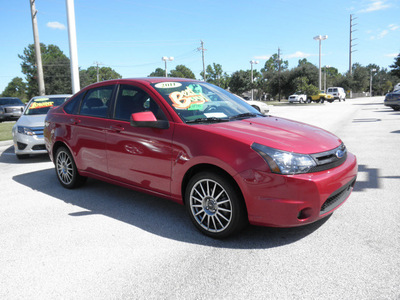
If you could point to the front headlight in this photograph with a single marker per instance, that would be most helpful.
(25, 130)
(283, 162)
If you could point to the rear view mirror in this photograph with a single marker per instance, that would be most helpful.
(148, 119)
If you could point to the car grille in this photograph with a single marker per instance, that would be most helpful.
(38, 131)
(329, 159)
(337, 197)
(13, 109)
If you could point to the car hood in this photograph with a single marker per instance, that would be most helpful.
(278, 133)
(31, 121)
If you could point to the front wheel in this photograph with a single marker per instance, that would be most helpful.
(66, 170)
(215, 205)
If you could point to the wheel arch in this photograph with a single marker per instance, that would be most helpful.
(209, 168)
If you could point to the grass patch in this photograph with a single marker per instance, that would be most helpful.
(5, 131)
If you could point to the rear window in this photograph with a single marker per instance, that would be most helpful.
(12, 101)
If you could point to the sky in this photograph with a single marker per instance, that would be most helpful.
(131, 36)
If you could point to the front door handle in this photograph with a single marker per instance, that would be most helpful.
(74, 121)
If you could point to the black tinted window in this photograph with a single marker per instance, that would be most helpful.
(97, 102)
(131, 100)
(72, 106)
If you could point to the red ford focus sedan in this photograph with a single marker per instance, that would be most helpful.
(199, 145)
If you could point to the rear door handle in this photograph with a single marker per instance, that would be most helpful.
(116, 128)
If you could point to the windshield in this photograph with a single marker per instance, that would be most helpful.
(198, 102)
(12, 101)
(40, 106)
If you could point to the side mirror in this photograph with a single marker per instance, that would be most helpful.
(148, 119)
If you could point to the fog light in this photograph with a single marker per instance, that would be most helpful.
(305, 213)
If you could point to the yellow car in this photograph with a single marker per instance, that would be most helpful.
(321, 97)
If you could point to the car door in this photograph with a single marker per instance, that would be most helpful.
(139, 156)
(88, 129)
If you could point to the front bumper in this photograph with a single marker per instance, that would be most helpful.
(294, 200)
(25, 144)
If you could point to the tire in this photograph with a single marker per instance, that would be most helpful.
(66, 170)
(309, 100)
(322, 100)
(330, 101)
(396, 108)
(301, 100)
(22, 156)
(215, 205)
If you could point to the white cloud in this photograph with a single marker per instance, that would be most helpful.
(393, 27)
(56, 25)
(298, 54)
(392, 55)
(262, 57)
(375, 6)
(382, 34)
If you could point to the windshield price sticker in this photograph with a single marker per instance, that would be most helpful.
(187, 98)
(36, 105)
(167, 85)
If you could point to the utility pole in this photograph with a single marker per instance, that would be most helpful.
(39, 66)
(73, 48)
(97, 70)
(202, 54)
(351, 42)
(279, 73)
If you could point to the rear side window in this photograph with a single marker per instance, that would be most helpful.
(97, 101)
(72, 106)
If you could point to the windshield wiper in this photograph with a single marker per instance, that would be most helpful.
(208, 120)
(245, 116)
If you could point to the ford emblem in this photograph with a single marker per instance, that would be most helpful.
(339, 153)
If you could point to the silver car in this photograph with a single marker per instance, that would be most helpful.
(28, 130)
(11, 108)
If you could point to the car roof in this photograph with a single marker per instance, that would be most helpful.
(52, 96)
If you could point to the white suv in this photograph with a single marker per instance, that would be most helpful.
(337, 93)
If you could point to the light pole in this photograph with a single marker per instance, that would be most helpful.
(320, 38)
(252, 62)
(370, 82)
(165, 58)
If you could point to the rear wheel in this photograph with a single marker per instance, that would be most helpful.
(215, 205)
(66, 170)
(322, 100)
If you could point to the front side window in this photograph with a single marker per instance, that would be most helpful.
(202, 102)
(97, 102)
(131, 100)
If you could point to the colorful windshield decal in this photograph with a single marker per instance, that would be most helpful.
(185, 99)
(167, 85)
(37, 105)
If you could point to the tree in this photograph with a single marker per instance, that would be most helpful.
(273, 64)
(215, 75)
(89, 75)
(396, 67)
(361, 76)
(157, 73)
(240, 82)
(56, 70)
(16, 88)
(301, 84)
(182, 71)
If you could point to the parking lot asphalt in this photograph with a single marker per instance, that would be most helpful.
(106, 242)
